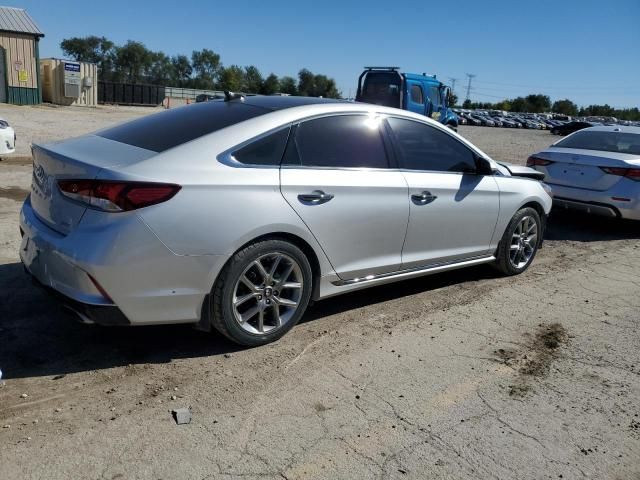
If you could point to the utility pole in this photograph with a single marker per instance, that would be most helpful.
(470, 76)
(453, 83)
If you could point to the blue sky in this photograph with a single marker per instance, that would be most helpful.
(588, 51)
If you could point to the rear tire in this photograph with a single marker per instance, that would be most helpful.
(520, 242)
(261, 293)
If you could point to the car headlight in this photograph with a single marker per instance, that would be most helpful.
(547, 189)
(4, 124)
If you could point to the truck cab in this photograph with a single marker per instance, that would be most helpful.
(419, 93)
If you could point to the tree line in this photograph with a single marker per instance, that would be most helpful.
(538, 103)
(133, 62)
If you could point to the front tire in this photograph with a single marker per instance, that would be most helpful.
(520, 242)
(262, 292)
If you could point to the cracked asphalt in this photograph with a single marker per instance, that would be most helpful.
(464, 375)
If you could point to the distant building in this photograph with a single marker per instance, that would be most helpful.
(67, 82)
(19, 58)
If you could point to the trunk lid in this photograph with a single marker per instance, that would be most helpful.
(581, 168)
(80, 158)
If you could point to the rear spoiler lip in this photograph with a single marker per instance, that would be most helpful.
(522, 171)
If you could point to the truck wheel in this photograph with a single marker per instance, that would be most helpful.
(452, 126)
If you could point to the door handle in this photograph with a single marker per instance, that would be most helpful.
(423, 198)
(316, 197)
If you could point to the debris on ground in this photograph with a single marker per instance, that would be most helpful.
(182, 415)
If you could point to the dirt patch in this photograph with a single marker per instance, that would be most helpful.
(14, 193)
(534, 357)
(17, 160)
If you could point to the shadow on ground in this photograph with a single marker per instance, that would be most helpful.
(579, 227)
(39, 338)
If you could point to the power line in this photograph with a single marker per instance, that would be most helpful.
(470, 76)
(453, 83)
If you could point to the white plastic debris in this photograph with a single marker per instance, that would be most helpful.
(181, 415)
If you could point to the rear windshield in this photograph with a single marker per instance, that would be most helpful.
(381, 89)
(617, 142)
(169, 129)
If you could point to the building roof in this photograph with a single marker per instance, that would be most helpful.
(18, 20)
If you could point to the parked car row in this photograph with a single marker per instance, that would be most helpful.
(494, 119)
(558, 126)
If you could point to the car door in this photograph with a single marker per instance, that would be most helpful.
(453, 209)
(335, 174)
(416, 97)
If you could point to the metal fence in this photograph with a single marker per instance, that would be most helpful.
(189, 93)
(130, 93)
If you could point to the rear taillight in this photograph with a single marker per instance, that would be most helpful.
(534, 161)
(114, 196)
(631, 173)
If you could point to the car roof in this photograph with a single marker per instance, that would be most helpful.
(279, 102)
(612, 128)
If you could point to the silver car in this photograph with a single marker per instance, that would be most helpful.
(596, 170)
(235, 214)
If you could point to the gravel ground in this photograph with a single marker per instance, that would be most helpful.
(463, 375)
(46, 122)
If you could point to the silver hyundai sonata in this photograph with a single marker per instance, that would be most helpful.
(235, 214)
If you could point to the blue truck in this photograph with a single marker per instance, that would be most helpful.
(419, 93)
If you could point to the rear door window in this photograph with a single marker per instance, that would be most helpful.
(344, 141)
(267, 150)
(423, 147)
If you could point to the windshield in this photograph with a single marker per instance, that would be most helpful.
(381, 89)
(603, 141)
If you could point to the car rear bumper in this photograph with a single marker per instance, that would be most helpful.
(108, 315)
(114, 270)
(598, 203)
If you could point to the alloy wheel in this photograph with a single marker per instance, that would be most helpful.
(267, 294)
(523, 242)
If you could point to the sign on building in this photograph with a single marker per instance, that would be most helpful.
(72, 80)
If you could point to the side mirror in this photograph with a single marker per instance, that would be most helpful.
(483, 166)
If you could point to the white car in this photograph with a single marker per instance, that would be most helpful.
(7, 138)
(595, 170)
(235, 214)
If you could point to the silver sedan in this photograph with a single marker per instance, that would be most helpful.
(596, 170)
(235, 214)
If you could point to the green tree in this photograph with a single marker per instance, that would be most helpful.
(270, 85)
(565, 107)
(306, 83)
(181, 70)
(252, 82)
(206, 65)
(538, 103)
(232, 78)
(161, 70)
(132, 60)
(466, 104)
(311, 85)
(288, 85)
(98, 50)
